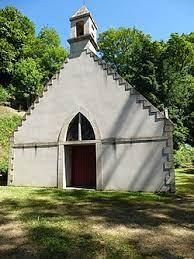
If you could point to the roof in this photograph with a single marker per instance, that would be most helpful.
(82, 11)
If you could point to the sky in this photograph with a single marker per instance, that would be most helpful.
(159, 18)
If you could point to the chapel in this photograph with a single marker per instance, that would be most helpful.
(92, 129)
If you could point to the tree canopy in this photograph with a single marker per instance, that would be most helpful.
(162, 71)
(27, 61)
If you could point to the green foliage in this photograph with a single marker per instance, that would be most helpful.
(47, 52)
(49, 37)
(4, 95)
(27, 79)
(7, 126)
(27, 61)
(16, 30)
(184, 157)
(7, 57)
(161, 71)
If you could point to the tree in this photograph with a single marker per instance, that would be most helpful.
(47, 52)
(15, 31)
(27, 79)
(161, 71)
(27, 61)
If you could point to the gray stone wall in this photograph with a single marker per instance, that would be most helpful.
(83, 83)
(134, 167)
(134, 149)
(35, 167)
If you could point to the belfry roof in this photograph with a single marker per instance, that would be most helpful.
(82, 11)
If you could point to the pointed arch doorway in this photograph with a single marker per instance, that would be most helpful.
(80, 154)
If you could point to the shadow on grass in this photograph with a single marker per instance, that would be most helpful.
(62, 222)
(186, 171)
(73, 223)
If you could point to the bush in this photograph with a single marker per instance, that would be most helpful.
(4, 95)
(4, 167)
(7, 126)
(184, 157)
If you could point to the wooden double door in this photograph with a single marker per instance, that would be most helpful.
(84, 166)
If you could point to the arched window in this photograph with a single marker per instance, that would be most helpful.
(80, 28)
(80, 129)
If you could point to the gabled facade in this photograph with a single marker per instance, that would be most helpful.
(91, 129)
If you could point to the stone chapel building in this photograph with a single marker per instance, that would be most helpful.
(91, 129)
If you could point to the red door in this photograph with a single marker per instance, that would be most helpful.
(84, 166)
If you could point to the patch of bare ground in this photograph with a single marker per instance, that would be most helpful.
(14, 242)
(6, 111)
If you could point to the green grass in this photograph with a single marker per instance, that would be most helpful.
(185, 181)
(92, 224)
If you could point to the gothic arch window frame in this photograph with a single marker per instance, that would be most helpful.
(61, 162)
(80, 129)
(63, 133)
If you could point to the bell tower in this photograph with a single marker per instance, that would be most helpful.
(83, 32)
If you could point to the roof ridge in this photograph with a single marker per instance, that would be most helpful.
(83, 10)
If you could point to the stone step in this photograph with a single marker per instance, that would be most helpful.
(159, 115)
(46, 88)
(127, 87)
(146, 104)
(96, 58)
(153, 109)
(50, 82)
(116, 76)
(168, 165)
(110, 71)
(100, 61)
(24, 117)
(37, 100)
(122, 81)
(28, 111)
(133, 91)
(140, 98)
(92, 55)
(32, 106)
(20, 124)
(105, 66)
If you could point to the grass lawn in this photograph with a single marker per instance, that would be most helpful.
(51, 223)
